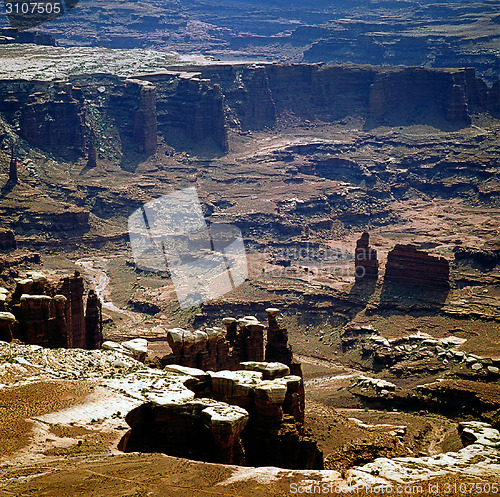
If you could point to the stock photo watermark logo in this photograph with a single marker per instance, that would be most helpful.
(170, 234)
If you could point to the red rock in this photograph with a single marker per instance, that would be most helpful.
(407, 266)
(365, 260)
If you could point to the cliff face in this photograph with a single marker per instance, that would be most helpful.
(215, 349)
(252, 416)
(193, 105)
(145, 127)
(257, 95)
(15, 36)
(54, 122)
(406, 91)
(407, 266)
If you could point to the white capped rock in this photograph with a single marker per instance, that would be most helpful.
(138, 348)
(7, 317)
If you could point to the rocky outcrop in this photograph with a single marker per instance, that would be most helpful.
(92, 150)
(204, 350)
(277, 348)
(16, 36)
(73, 219)
(193, 107)
(7, 240)
(417, 94)
(242, 341)
(202, 429)
(250, 339)
(247, 95)
(215, 348)
(93, 321)
(407, 266)
(71, 287)
(7, 322)
(13, 167)
(145, 126)
(365, 260)
(275, 433)
(51, 314)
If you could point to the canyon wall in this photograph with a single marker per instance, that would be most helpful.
(257, 94)
(196, 104)
(7, 240)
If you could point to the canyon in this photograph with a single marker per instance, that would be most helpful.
(362, 348)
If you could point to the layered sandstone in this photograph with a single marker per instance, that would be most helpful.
(145, 125)
(365, 260)
(93, 321)
(407, 266)
(215, 348)
(391, 95)
(274, 435)
(51, 314)
(71, 287)
(7, 323)
(11, 35)
(191, 106)
(202, 429)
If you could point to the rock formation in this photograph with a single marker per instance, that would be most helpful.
(433, 93)
(7, 239)
(193, 104)
(215, 348)
(407, 266)
(92, 150)
(71, 287)
(7, 322)
(51, 314)
(12, 167)
(204, 350)
(365, 260)
(73, 219)
(278, 348)
(392, 95)
(202, 429)
(16, 36)
(275, 433)
(145, 126)
(252, 421)
(93, 321)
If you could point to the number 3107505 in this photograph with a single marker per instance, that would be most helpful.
(33, 8)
